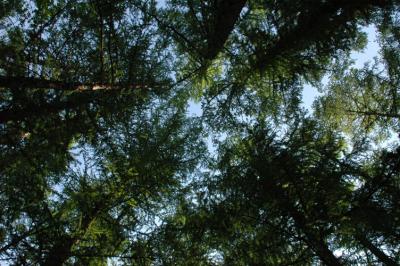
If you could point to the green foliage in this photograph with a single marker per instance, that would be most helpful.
(360, 101)
(101, 164)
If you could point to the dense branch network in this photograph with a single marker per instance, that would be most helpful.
(101, 160)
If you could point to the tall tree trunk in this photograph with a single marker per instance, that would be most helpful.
(227, 13)
(101, 48)
(110, 50)
(317, 24)
(385, 259)
(39, 83)
(317, 244)
(301, 223)
(60, 252)
(62, 249)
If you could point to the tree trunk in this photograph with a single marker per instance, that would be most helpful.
(60, 252)
(385, 259)
(62, 249)
(317, 24)
(38, 83)
(227, 13)
(313, 240)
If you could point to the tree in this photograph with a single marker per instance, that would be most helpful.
(100, 162)
(293, 199)
(366, 98)
(96, 209)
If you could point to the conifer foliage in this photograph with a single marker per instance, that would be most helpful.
(102, 162)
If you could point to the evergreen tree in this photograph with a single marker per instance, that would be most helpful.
(101, 163)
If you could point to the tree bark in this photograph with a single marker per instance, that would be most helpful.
(60, 252)
(302, 224)
(318, 24)
(385, 259)
(38, 83)
(317, 244)
(62, 249)
(228, 12)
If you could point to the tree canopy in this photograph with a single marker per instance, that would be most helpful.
(102, 162)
